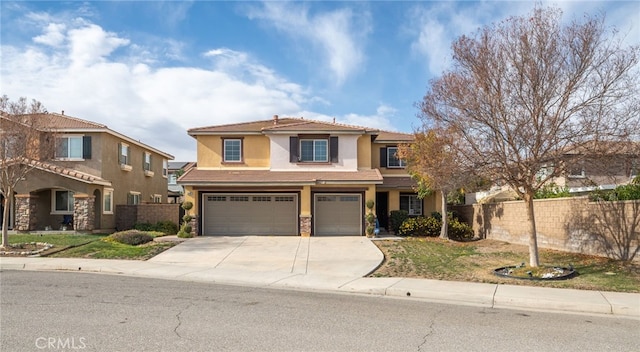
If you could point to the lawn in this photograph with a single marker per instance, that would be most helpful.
(433, 258)
(91, 246)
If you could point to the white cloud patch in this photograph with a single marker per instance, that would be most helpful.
(382, 119)
(83, 76)
(53, 36)
(338, 35)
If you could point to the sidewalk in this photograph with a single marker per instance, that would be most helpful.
(474, 294)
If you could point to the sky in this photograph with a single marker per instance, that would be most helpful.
(154, 69)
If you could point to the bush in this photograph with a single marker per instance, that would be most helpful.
(396, 218)
(166, 227)
(131, 237)
(459, 230)
(420, 227)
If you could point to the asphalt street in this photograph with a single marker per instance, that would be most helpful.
(55, 311)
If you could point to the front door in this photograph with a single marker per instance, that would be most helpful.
(382, 209)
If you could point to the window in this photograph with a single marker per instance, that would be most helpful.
(173, 179)
(62, 202)
(411, 203)
(392, 158)
(123, 154)
(133, 198)
(577, 172)
(314, 150)
(156, 198)
(232, 150)
(146, 164)
(165, 168)
(69, 147)
(107, 201)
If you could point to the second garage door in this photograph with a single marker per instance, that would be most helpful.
(337, 215)
(249, 214)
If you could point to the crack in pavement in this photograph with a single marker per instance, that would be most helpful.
(430, 330)
(175, 330)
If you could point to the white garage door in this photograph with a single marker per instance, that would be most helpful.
(337, 214)
(249, 214)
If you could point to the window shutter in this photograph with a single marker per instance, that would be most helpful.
(333, 149)
(120, 156)
(383, 157)
(293, 149)
(86, 147)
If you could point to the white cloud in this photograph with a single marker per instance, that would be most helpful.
(131, 95)
(338, 35)
(382, 119)
(53, 36)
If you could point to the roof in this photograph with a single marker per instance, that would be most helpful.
(398, 182)
(177, 165)
(63, 123)
(69, 173)
(276, 125)
(393, 137)
(197, 176)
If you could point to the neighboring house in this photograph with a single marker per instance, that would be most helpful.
(293, 176)
(175, 191)
(588, 170)
(92, 169)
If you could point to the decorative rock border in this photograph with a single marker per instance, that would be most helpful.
(559, 273)
(45, 246)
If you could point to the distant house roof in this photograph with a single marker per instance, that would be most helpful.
(177, 165)
(196, 177)
(65, 124)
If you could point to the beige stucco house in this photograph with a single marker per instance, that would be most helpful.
(92, 169)
(294, 176)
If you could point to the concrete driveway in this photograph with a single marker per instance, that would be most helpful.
(321, 256)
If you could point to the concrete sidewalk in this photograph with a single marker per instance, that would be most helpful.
(336, 264)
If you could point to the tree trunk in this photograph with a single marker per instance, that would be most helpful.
(444, 229)
(533, 238)
(5, 218)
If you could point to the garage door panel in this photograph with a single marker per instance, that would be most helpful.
(250, 214)
(337, 214)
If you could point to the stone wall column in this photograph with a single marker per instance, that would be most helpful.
(26, 210)
(305, 225)
(84, 212)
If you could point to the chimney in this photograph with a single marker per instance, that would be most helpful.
(62, 112)
(275, 119)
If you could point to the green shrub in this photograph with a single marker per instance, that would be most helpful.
(458, 230)
(420, 226)
(552, 190)
(143, 226)
(396, 218)
(167, 226)
(131, 237)
(623, 192)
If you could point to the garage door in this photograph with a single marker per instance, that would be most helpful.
(337, 214)
(249, 214)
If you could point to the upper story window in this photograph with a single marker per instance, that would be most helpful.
(232, 150)
(146, 164)
(173, 179)
(165, 168)
(392, 158)
(124, 157)
(73, 147)
(313, 149)
(577, 172)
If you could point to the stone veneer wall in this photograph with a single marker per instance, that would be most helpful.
(568, 224)
(84, 212)
(26, 219)
(305, 225)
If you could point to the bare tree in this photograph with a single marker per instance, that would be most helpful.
(525, 91)
(437, 165)
(22, 142)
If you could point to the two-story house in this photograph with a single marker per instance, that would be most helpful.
(293, 176)
(92, 169)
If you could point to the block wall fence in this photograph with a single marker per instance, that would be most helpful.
(128, 215)
(576, 225)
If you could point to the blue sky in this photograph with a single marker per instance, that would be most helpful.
(152, 70)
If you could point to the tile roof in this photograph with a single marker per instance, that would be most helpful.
(69, 173)
(387, 136)
(197, 176)
(398, 182)
(288, 124)
(62, 122)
